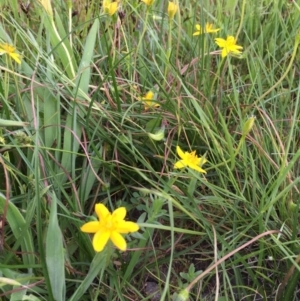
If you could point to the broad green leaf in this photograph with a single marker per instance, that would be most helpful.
(55, 254)
(5, 122)
(51, 119)
(31, 298)
(8, 281)
(60, 46)
(84, 72)
(19, 228)
(18, 295)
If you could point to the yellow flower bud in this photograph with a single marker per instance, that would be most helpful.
(298, 37)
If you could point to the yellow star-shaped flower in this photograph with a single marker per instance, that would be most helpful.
(207, 29)
(110, 226)
(189, 160)
(228, 45)
(149, 101)
(11, 51)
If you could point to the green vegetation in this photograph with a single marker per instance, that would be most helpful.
(119, 105)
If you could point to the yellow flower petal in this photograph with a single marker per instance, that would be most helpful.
(16, 57)
(100, 240)
(113, 8)
(230, 40)
(7, 48)
(119, 213)
(125, 227)
(179, 164)
(101, 211)
(90, 227)
(220, 42)
(172, 9)
(197, 167)
(149, 101)
(209, 28)
(180, 152)
(198, 32)
(190, 160)
(149, 96)
(148, 2)
(118, 240)
(224, 52)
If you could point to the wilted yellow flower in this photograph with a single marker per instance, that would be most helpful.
(159, 135)
(110, 226)
(109, 7)
(47, 6)
(189, 160)
(248, 126)
(149, 101)
(172, 9)
(11, 51)
(298, 37)
(207, 29)
(148, 2)
(228, 45)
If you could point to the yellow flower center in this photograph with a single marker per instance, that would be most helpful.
(192, 157)
(108, 223)
(8, 48)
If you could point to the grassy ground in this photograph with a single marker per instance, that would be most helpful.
(75, 131)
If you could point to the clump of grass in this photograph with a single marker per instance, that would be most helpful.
(120, 107)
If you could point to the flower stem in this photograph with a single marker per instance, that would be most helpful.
(169, 49)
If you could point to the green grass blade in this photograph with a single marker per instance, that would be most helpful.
(60, 47)
(97, 267)
(84, 72)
